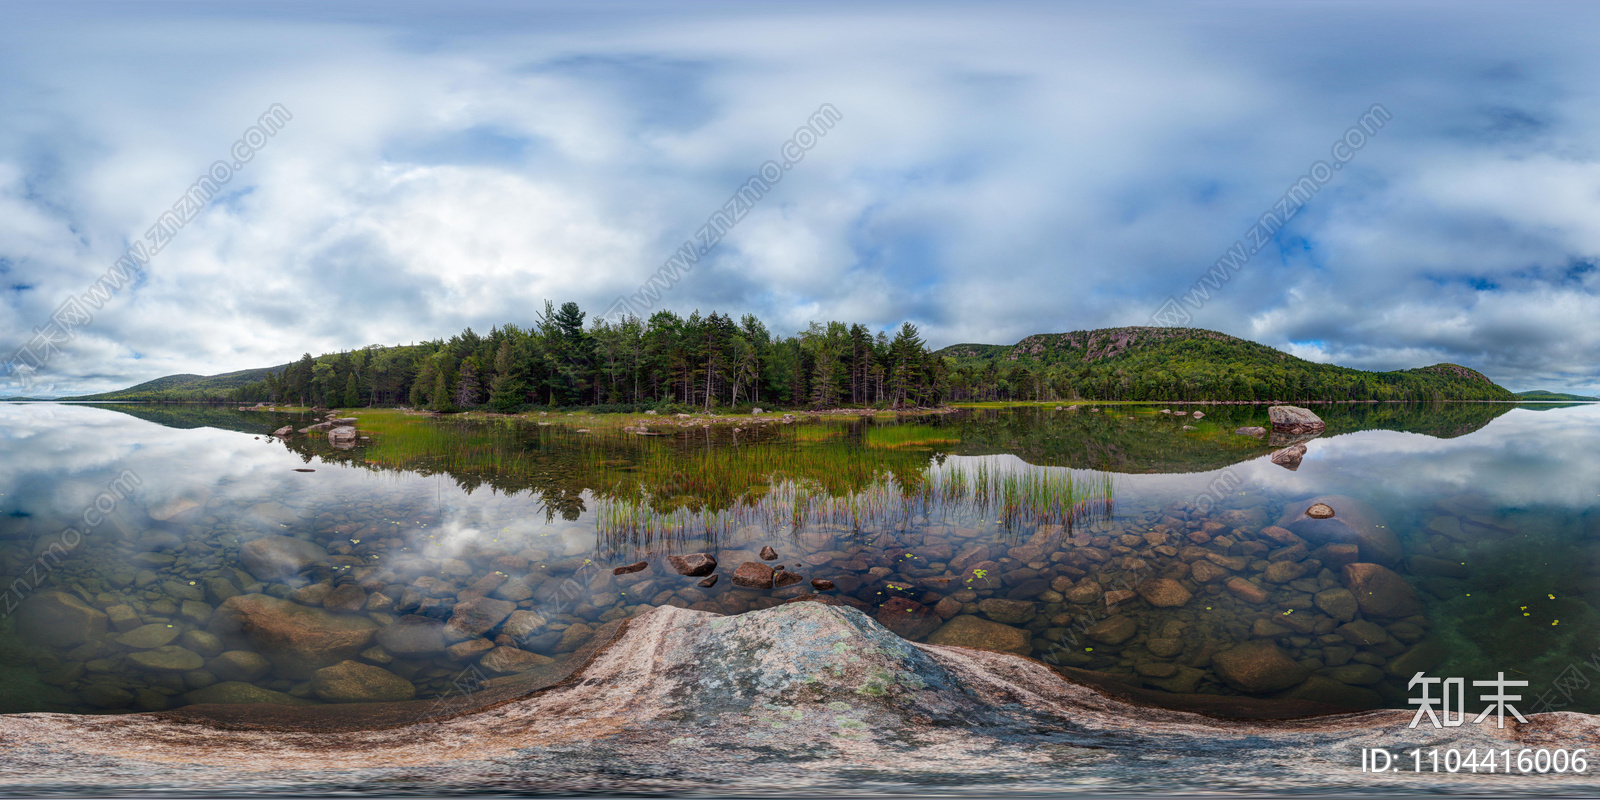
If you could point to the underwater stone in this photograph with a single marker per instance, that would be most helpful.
(167, 659)
(274, 558)
(1258, 666)
(237, 692)
(511, 659)
(201, 642)
(1247, 591)
(298, 639)
(752, 575)
(694, 565)
(1380, 592)
(477, 616)
(1337, 603)
(59, 619)
(976, 632)
(468, 650)
(908, 618)
(149, 637)
(1164, 593)
(1115, 629)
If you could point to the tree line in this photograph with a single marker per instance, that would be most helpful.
(699, 362)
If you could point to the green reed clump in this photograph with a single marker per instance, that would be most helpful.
(908, 434)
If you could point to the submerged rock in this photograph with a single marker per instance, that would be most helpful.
(239, 665)
(59, 619)
(299, 640)
(1353, 522)
(170, 658)
(476, 616)
(510, 659)
(354, 682)
(273, 558)
(1258, 666)
(1164, 593)
(908, 618)
(970, 631)
(1380, 592)
(1114, 629)
(149, 637)
(415, 635)
(238, 692)
(783, 577)
(694, 565)
(753, 575)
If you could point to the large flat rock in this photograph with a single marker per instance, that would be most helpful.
(809, 698)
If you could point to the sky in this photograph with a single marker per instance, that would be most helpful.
(996, 170)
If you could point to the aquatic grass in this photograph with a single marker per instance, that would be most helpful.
(910, 435)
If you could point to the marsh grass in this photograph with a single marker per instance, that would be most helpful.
(909, 434)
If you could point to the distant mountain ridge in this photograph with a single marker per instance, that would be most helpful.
(1540, 394)
(186, 386)
(1138, 363)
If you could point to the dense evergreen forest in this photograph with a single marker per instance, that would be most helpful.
(713, 361)
(701, 362)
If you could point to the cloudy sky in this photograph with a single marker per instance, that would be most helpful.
(999, 170)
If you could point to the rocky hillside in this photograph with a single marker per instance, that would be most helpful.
(1194, 364)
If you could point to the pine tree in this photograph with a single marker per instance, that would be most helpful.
(441, 393)
(352, 392)
(509, 388)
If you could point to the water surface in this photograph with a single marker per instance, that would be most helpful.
(157, 556)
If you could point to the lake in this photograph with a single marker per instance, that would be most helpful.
(161, 556)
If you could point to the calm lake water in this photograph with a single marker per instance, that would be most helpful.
(158, 557)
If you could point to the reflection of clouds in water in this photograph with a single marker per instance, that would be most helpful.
(510, 523)
(1523, 458)
(59, 461)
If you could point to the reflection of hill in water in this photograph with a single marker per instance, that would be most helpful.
(1154, 443)
(185, 416)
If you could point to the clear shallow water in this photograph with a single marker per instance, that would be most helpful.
(150, 563)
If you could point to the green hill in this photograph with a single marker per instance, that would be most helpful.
(1190, 364)
(1540, 394)
(188, 387)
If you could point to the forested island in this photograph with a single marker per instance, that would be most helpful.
(714, 361)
